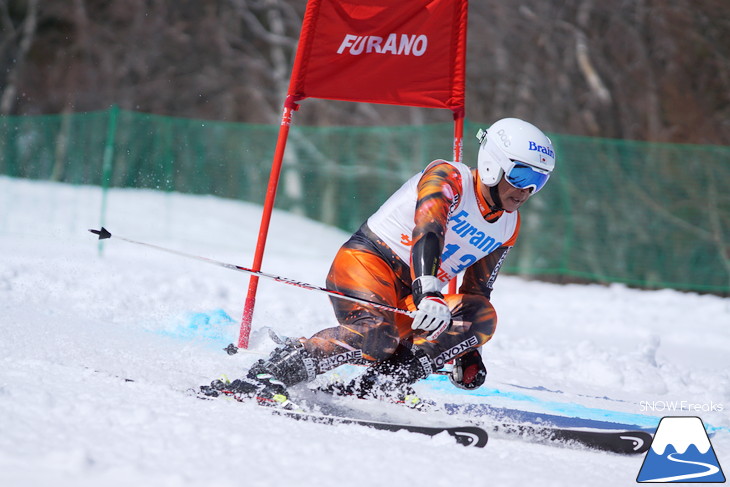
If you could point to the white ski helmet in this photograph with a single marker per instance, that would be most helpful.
(518, 150)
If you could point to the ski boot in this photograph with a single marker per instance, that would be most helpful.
(389, 379)
(266, 392)
(267, 380)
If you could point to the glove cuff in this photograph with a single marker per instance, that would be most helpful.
(427, 284)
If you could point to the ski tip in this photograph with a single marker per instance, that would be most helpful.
(103, 233)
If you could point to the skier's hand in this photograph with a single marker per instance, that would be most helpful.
(469, 371)
(433, 315)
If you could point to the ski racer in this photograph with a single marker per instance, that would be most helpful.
(446, 221)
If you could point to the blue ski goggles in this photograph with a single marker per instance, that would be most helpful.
(524, 176)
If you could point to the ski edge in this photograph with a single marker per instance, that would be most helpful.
(471, 436)
(624, 442)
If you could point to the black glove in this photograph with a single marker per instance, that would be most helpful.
(469, 371)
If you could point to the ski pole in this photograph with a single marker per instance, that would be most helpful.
(104, 234)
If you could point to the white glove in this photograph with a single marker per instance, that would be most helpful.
(433, 313)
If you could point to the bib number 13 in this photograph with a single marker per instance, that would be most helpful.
(464, 261)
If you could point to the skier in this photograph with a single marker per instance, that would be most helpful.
(446, 221)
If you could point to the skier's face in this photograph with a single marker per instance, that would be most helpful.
(512, 198)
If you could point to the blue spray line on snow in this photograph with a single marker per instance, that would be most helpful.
(214, 327)
(556, 412)
(558, 408)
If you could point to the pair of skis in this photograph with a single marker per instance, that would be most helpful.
(611, 440)
(477, 436)
(614, 441)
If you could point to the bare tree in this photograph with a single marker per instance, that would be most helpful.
(14, 47)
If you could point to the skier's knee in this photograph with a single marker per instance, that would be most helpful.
(480, 312)
(382, 346)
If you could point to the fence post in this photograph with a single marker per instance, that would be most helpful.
(107, 164)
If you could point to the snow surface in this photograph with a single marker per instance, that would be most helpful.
(74, 325)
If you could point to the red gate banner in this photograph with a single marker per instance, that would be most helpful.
(401, 52)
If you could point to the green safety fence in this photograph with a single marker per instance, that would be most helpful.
(644, 214)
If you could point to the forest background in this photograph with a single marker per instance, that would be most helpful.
(651, 70)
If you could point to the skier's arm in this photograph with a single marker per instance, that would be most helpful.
(479, 278)
(437, 190)
(469, 371)
(436, 194)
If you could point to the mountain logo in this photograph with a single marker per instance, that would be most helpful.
(681, 452)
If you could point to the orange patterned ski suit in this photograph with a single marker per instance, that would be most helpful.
(367, 267)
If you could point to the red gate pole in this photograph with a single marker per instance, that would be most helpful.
(458, 135)
(290, 106)
(458, 155)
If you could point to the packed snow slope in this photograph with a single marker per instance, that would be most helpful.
(75, 324)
